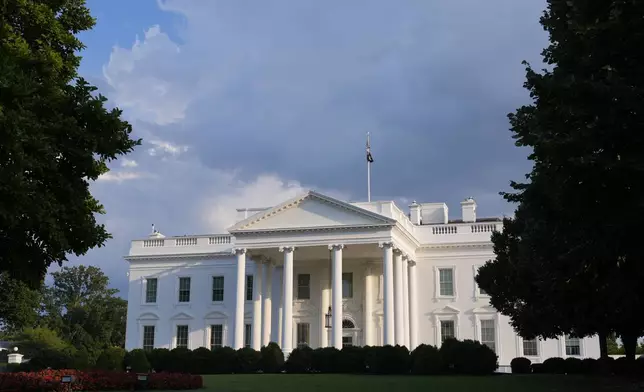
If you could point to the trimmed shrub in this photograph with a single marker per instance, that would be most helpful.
(325, 360)
(574, 366)
(468, 357)
(521, 365)
(180, 360)
(589, 366)
(111, 359)
(137, 361)
(248, 360)
(537, 368)
(388, 360)
(299, 361)
(352, 359)
(554, 365)
(159, 359)
(605, 365)
(272, 358)
(426, 359)
(201, 361)
(224, 361)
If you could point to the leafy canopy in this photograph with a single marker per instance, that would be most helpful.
(57, 136)
(569, 261)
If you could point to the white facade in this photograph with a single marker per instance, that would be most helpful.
(388, 278)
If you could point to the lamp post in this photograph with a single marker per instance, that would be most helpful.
(327, 319)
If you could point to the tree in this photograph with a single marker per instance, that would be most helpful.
(570, 259)
(84, 310)
(56, 134)
(19, 305)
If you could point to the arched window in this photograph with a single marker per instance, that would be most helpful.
(347, 324)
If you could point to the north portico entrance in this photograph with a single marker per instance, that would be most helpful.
(325, 254)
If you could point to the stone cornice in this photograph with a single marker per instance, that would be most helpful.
(461, 245)
(179, 256)
(314, 229)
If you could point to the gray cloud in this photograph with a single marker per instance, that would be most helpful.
(264, 93)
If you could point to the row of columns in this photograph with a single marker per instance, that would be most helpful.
(400, 301)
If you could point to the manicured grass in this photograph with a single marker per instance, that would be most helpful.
(341, 383)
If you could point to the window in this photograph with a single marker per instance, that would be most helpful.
(216, 336)
(151, 291)
(347, 285)
(148, 337)
(530, 348)
(217, 288)
(303, 334)
(573, 346)
(446, 282)
(248, 330)
(488, 334)
(184, 289)
(448, 330)
(347, 341)
(303, 286)
(182, 336)
(249, 287)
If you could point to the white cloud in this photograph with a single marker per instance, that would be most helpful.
(129, 163)
(148, 95)
(162, 148)
(114, 176)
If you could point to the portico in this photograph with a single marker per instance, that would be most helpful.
(348, 260)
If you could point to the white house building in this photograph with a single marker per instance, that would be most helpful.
(321, 272)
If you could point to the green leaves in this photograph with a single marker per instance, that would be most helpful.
(569, 260)
(57, 136)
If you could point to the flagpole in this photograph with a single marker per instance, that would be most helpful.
(368, 170)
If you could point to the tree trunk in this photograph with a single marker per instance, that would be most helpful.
(603, 345)
(629, 340)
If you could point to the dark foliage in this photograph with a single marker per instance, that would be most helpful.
(352, 359)
(299, 361)
(468, 357)
(272, 358)
(426, 359)
(111, 359)
(326, 360)
(248, 360)
(521, 365)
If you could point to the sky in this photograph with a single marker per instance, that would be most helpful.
(246, 103)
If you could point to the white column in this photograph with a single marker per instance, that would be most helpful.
(388, 277)
(413, 306)
(268, 304)
(325, 302)
(405, 290)
(287, 323)
(256, 342)
(336, 292)
(238, 336)
(398, 298)
(280, 310)
(368, 306)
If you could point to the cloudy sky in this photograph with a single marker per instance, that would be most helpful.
(249, 102)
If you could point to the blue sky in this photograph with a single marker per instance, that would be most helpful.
(245, 103)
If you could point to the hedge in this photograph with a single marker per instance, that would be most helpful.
(572, 365)
(50, 380)
(454, 357)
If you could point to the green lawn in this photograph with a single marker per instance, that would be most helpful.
(341, 383)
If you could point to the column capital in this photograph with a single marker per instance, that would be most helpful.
(411, 262)
(286, 249)
(386, 244)
(398, 252)
(336, 246)
(239, 251)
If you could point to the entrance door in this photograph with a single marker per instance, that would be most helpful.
(347, 340)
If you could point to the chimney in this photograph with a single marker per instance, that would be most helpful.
(468, 208)
(414, 213)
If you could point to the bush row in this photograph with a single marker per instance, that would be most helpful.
(50, 380)
(454, 357)
(557, 365)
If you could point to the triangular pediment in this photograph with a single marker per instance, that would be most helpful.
(484, 310)
(310, 211)
(447, 310)
(181, 316)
